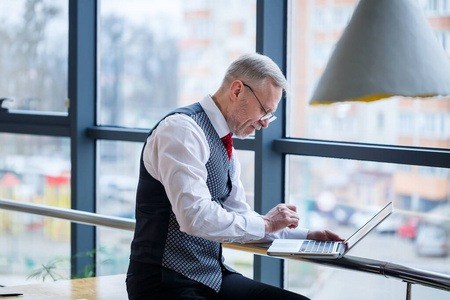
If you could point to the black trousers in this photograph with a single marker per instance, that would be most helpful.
(145, 281)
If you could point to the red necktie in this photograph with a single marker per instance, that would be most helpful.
(228, 143)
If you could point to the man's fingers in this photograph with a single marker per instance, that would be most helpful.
(282, 216)
(286, 207)
(333, 236)
(294, 223)
(291, 207)
(289, 214)
(323, 235)
(282, 207)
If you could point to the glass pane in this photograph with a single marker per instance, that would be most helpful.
(158, 55)
(239, 260)
(315, 28)
(342, 195)
(33, 54)
(117, 169)
(34, 169)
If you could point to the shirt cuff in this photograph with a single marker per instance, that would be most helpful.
(297, 233)
(256, 228)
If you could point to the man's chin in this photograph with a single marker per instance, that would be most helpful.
(244, 135)
(241, 136)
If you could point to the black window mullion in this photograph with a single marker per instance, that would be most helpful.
(269, 164)
(54, 124)
(82, 95)
(139, 135)
(370, 152)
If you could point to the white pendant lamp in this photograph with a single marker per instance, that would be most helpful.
(388, 49)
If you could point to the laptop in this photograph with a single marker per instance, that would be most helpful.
(328, 250)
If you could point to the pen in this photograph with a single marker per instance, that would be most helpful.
(10, 295)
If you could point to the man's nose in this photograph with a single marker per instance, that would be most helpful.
(264, 123)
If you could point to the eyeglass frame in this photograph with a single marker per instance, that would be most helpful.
(267, 116)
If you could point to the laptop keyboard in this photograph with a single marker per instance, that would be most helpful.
(316, 247)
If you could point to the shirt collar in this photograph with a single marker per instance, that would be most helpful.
(215, 116)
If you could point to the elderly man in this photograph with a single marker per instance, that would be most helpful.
(190, 198)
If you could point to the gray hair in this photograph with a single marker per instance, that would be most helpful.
(254, 69)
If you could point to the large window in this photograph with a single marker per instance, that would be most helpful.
(33, 55)
(117, 173)
(116, 191)
(315, 27)
(125, 64)
(33, 169)
(148, 68)
(159, 55)
(238, 260)
(342, 194)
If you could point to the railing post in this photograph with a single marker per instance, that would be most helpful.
(408, 290)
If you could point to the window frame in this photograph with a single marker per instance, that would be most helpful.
(270, 145)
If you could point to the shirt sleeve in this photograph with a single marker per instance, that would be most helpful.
(176, 154)
(237, 203)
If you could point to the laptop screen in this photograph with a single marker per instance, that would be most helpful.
(368, 227)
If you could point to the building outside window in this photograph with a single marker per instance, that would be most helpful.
(341, 194)
(35, 169)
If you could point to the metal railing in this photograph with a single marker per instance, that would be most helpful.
(387, 269)
(76, 216)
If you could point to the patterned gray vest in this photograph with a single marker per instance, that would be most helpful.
(158, 239)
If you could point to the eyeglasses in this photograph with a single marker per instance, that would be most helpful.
(267, 116)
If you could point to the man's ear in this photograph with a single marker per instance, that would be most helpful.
(235, 89)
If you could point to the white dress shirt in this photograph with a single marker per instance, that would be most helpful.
(176, 154)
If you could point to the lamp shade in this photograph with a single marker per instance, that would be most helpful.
(388, 49)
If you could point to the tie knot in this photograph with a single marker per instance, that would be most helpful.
(228, 144)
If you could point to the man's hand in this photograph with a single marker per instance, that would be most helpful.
(280, 217)
(323, 235)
